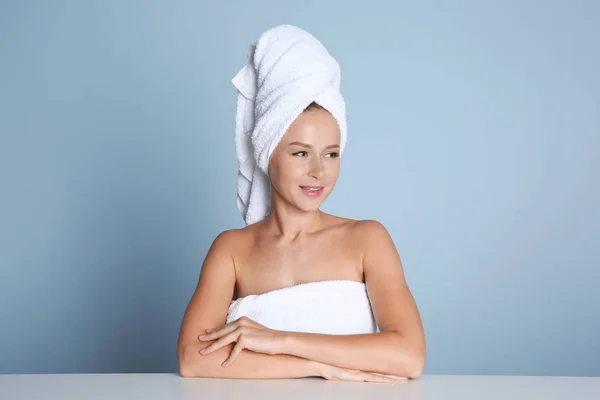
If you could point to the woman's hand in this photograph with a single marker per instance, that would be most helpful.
(333, 373)
(247, 334)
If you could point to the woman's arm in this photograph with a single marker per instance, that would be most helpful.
(208, 308)
(399, 349)
(248, 365)
(382, 352)
(251, 365)
(275, 365)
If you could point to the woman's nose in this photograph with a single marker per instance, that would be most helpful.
(316, 169)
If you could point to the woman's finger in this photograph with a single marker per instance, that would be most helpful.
(237, 349)
(224, 341)
(389, 376)
(363, 376)
(374, 377)
(224, 330)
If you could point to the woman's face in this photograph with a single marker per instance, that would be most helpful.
(307, 155)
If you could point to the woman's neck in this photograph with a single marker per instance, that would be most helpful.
(291, 226)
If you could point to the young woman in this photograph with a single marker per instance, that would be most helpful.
(300, 292)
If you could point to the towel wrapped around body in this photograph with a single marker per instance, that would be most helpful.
(335, 307)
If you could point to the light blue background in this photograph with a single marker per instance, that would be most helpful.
(474, 137)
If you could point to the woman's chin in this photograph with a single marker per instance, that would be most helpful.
(309, 205)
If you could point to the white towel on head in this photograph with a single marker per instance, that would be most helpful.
(333, 307)
(285, 71)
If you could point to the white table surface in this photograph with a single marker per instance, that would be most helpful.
(173, 386)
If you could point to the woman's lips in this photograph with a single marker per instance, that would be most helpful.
(312, 193)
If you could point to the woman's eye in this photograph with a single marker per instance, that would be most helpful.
(333, 154)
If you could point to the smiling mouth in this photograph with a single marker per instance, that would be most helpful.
(312, 190)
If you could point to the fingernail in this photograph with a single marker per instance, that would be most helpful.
(209, 330)
(224, 364)
(201, 336)
(202, 351)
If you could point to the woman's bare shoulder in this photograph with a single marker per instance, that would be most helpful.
(362, 229)
(354, 224)
(365, 227)
(236, 238)
(367, 224)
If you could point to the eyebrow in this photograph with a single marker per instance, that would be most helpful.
(310, 147)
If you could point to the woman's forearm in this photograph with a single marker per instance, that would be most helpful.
(248, 364)
(383, 352)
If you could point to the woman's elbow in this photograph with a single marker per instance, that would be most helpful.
(184, 367)
(416, 366)
(416, 370)
(412, 370)
(411, 365)
(185, 371)
(187, 368)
